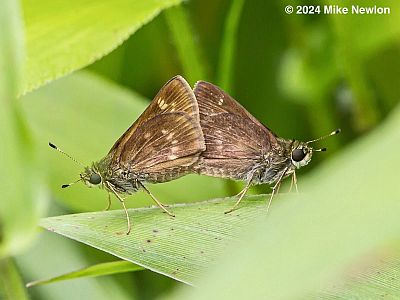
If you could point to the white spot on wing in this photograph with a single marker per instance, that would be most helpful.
(220, 101)
(161, 103)
(164, 131)
(170, 136)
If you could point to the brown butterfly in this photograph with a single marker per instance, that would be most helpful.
(239, 147)
(162, 145)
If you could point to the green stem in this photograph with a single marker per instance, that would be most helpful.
(228, 46)
(185, 43)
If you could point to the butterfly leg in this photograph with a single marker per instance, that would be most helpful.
(275, 189)
(294, 177)
(109, 202)
(291, 183)
(123, 205)
(278, 188)
(162, 206)
(241, 195)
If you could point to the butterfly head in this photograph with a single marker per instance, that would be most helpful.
(302, 152)
(91, 177)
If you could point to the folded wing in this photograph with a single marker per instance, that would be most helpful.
(175, 96)
(235, 140)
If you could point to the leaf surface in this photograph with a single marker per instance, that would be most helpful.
(181, 247)
(64, 36)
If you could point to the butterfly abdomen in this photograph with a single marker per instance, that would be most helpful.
(169, 175)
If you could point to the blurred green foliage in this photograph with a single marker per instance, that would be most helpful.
(21, 182)
(301, 75)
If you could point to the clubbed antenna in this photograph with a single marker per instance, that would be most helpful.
(69, 156)
(59, 150)
(324, 137)
(69, 184)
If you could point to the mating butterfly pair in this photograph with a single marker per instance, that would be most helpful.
(203, 131)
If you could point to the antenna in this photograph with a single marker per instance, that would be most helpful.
(59, 150)
(69, 156)
(320, 150)
(324, 137)
(69, 184)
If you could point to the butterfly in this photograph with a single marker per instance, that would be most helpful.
(161, 145)
(239, 147)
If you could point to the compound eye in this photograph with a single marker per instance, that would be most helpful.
(95, 178)
(298, 155)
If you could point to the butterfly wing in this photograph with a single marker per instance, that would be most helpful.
(212, 101)
(233, 146)
(164, 147)
(166, 139)
(235, 140)
(175, 96)
(232, 136)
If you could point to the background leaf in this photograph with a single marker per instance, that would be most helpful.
(367, 36)
(64, 36)
(189, 51)
(228, 45)
(181, 248)
(20, 182)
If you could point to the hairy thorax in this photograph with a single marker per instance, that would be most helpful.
(274, 165)
(121, 179)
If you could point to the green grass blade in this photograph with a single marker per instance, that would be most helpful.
(11, 286)
(187, 47)
(64, 36)
(228, 46)
(101, 269)
(181, 248)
